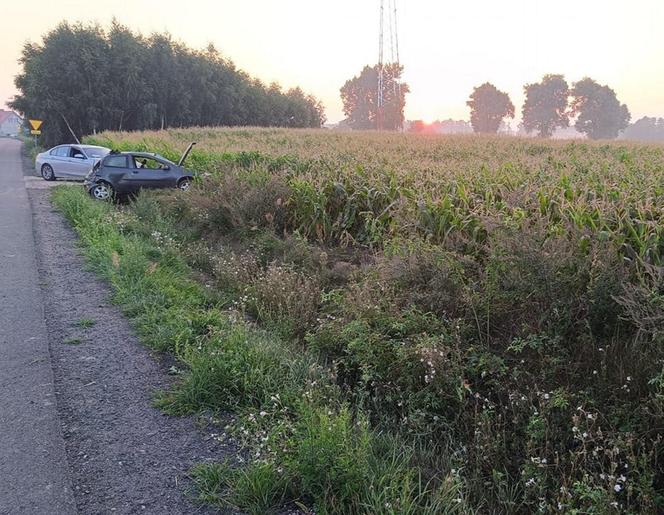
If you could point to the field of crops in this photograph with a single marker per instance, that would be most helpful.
(363, 187)
(417, 324)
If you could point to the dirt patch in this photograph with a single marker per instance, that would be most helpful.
(126, 456)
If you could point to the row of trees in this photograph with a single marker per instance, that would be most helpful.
(83, 79)
(645, 129)
(552, 104)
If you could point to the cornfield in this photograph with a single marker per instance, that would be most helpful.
(367, 187)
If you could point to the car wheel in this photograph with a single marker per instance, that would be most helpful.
(47, 173)
(102, 191)
(184, 184)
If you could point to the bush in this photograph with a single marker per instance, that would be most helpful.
(330, 458)
(286, 301)
(239, 367)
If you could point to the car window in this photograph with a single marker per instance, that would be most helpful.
(95, 152)
(116, 161)
(76, 152)
(148, 162)
(62, 151)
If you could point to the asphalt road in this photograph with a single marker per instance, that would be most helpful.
(34, 472)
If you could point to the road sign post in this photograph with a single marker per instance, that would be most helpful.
(36, 128)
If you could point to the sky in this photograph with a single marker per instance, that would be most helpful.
(446, 47)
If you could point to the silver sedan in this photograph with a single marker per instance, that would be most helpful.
(68, 161)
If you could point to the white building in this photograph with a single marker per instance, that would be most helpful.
(10, 123)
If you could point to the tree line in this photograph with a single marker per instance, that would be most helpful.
(549, 104)
(83, 79)
(645, 129)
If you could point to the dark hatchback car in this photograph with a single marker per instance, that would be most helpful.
(122, 173)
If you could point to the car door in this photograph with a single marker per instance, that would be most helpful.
(59, 160)
(136, 177)
(151, 173)
(115, 168)
(79, 163)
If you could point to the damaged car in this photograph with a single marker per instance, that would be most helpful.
(120, 174)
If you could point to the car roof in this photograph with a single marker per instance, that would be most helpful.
(81, 146)
(145, 154)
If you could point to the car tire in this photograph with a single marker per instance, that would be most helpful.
(47, 173)
(102, 191)
(184, 184)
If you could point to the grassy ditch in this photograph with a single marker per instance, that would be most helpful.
(308, 446)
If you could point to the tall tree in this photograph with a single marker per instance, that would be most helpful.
(488, 108)
(128, 93)
(360, 98)
(545, 107)
(600, 114)
(86, 79)
(60, 82)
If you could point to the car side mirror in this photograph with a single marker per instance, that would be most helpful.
(79, 156)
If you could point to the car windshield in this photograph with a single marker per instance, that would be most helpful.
(96, 152)
(167, 161)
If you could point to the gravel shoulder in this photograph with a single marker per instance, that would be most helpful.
(125, 455)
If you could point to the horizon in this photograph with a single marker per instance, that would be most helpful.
(442, 62)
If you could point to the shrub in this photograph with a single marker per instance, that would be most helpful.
(330, 458)
(286, 300)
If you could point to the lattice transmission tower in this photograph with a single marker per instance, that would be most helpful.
(388, 29)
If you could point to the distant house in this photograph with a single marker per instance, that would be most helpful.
(10, 123)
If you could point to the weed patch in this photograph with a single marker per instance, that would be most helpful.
(86, 323)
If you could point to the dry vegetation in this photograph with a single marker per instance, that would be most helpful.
(436, 324)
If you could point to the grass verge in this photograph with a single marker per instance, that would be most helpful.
(307, 445)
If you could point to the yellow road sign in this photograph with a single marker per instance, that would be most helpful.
(35, 133)
(35, 124)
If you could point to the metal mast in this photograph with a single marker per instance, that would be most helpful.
(393, 63)
(381, 77)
